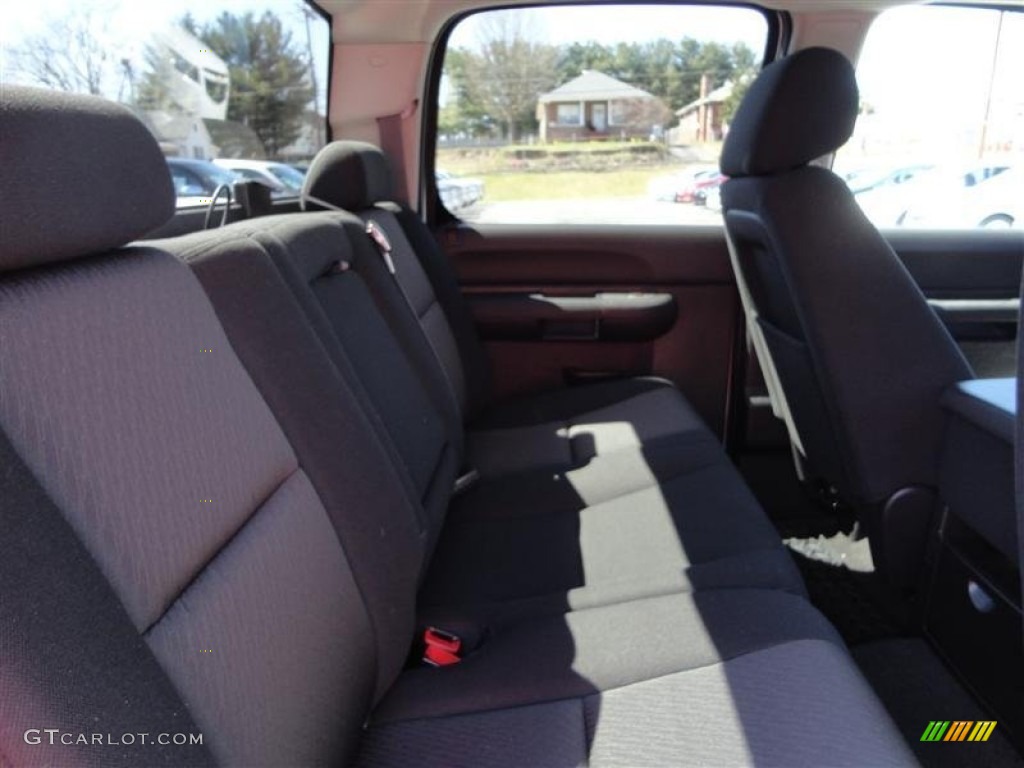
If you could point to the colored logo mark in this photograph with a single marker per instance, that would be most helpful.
(958, 730)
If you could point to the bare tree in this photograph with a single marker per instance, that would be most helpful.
(508, 72)
(70, 54)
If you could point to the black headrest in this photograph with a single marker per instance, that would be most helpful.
(798, 109)
(349, 174)
(80, 176)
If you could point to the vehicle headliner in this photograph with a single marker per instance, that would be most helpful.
(368, 21)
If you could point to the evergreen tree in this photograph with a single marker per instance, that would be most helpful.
(270, 86)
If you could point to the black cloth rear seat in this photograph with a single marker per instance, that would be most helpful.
(551, 431)
(204, 538)
(516, 546)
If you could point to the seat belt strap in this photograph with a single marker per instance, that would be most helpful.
(380, 239)
(392, 142)
(384, 249)
(1018, 449)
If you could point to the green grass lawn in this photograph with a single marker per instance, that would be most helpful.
(608, 169)
(555, 185)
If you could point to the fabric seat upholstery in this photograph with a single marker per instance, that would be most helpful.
(612, 531)
(207, 532)
(142, 427)
(854, 357)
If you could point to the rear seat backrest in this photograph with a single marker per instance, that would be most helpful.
(355, 176)
(321, 274)
(327, 417)
(123, 397)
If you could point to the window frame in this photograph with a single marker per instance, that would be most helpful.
(428, 203)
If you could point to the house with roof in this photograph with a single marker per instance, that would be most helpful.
(700, 121)
(596, 106)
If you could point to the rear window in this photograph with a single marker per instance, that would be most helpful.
(211, 79)
(592, 114)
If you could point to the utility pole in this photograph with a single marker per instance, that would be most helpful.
(307, 13)
(127, 77)
(991, 83)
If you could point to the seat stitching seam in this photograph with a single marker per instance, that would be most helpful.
(220, 550)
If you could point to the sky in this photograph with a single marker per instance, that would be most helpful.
(614, 24)
(951, 65)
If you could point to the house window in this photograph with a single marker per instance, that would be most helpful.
(618, 113)
(568, 114)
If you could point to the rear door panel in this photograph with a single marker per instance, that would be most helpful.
(537, 293)
(665, 300)
(972, 279)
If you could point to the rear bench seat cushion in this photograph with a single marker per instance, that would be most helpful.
(700, 530)
(798, 704)
(731, 677)
(567, 428)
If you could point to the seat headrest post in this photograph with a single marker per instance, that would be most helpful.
(351, 175)
(798, 109)
(81, 176)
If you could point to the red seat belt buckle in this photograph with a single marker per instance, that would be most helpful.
(442, 648)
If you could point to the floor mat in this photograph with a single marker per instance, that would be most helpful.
(917, 688)
(841, 581)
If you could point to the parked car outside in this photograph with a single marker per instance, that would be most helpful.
(884, 194)
(995, 200)
(666, 188)
(283, 180)
(888, 198)
(690, 192)
(867, 179)
(196, 180)
(700, 194)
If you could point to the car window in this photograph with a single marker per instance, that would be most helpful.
(939, 141)
(248, 173)
(209, 78)
(218, 175)
(591, 114)
(186, 183)
(287, 176)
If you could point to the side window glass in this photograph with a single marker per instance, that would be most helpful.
(939, 142)
(210, 79)
(592, 114)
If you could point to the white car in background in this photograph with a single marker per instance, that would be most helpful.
(993, 202)
(917, 188)
(885, 194)
(283, 180)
